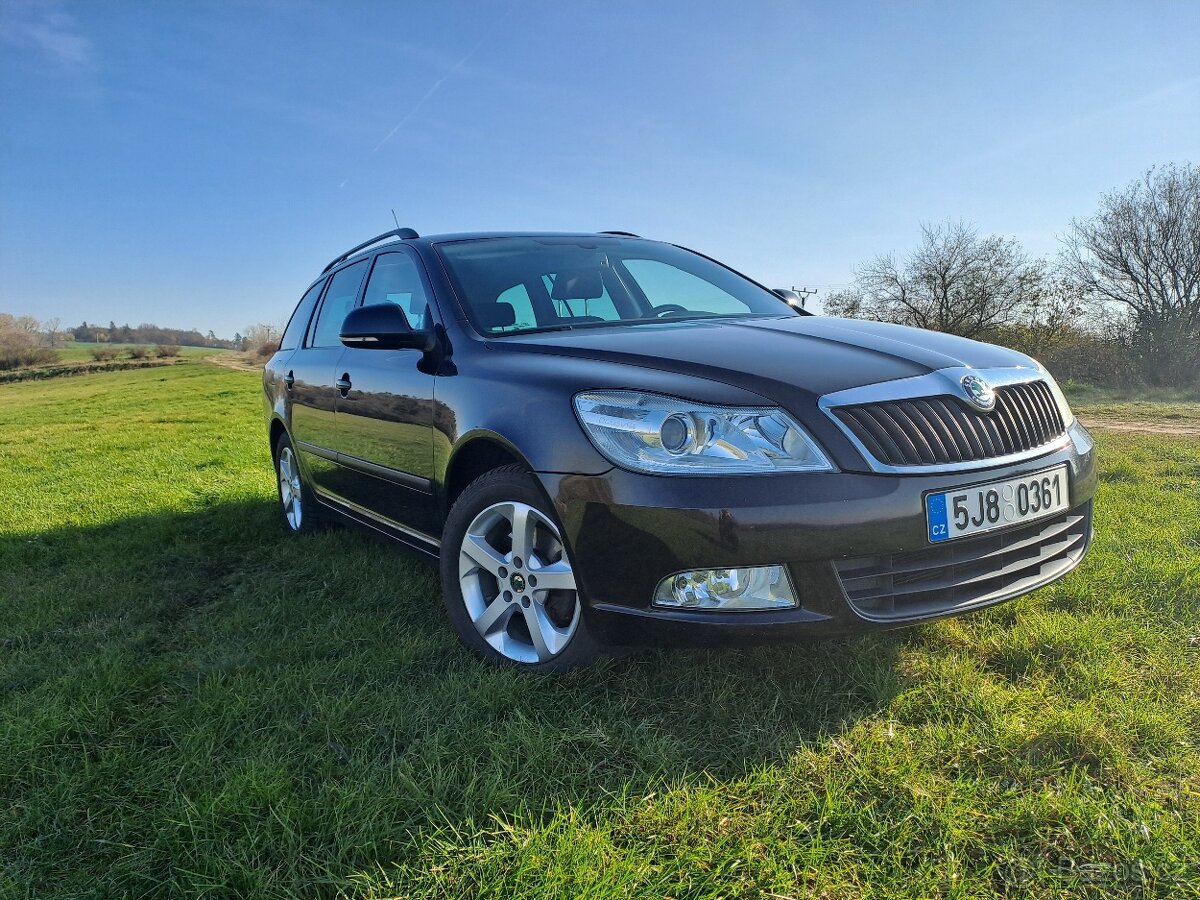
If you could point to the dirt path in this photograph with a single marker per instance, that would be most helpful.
(234, 361)
(1137, 425)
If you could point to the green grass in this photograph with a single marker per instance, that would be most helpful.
(193, 704)
(81, 351)
(1168, 406)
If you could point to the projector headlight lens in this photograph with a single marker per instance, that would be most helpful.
(676, 433)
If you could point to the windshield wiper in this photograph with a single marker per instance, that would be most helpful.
(539, 330)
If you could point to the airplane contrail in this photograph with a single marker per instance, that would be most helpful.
(424, 97)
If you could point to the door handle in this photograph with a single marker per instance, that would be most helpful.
(289, 380)
(343, 384)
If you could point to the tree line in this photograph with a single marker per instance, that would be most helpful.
(146, 333)
(1120, 303)
(25, 341)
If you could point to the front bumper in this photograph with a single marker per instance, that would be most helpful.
(628, 531)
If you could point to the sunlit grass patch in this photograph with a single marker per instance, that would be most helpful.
(1162, 405)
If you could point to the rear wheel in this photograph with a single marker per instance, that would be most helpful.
(507, 579)
(300, 513)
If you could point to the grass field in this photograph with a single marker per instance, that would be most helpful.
(193, 704)
(75, 358)
(80, 351)
(1169, 406)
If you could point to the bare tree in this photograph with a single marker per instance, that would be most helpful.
(52, 330)
(848, 304)
(1141, 252)
(262, 339)
(21, 330)
(955, 281)
(262, 333)
(23, 325)
(19, 337)
(1058, 314)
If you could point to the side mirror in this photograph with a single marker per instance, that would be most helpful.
(383, 326)
(793, 298)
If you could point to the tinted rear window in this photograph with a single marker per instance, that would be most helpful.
(294, 333)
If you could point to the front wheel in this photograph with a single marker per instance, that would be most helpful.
(508, 583)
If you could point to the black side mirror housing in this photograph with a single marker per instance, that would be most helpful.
(792, 297)
(383, 326)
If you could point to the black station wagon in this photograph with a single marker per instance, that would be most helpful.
(607, 440)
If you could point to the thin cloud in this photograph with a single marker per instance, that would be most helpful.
(45, 28)
(454, 70)
(1119, 114)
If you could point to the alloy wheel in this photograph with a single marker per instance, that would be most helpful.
(290, 495)
(517, 583)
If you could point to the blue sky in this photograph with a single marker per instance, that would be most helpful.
(196, 164)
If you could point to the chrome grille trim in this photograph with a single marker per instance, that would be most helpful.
(944, 430)
(960, 575)
(923, 424)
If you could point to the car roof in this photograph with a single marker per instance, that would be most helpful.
(484, 235)
(431, 239)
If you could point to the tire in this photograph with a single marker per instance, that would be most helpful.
(299, 510)
(520, 611)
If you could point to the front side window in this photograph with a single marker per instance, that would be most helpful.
(510, 285)
(395, 279)
(339, 300)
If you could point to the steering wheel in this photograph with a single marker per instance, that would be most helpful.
(669, 309)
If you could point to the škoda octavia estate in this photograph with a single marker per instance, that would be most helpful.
(610, 440)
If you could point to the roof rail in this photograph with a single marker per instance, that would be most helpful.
(405, 234)
(620, 233)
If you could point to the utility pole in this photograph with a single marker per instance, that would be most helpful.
(804, 293)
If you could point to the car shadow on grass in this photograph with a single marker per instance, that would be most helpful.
(306, 697)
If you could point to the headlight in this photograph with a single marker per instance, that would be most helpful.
(1059, 397)
(664, 435)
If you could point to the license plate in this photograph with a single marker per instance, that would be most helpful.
(996, 504)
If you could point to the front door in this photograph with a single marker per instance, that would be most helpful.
(385, 415)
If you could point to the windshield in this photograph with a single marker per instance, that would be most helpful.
(519, 284)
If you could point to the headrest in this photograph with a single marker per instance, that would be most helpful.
(578, 284)
(496, 315)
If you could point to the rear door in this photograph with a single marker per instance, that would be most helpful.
(279, 376)
(314, 372)
(385, 417)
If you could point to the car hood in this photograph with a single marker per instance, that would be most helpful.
(785, 359)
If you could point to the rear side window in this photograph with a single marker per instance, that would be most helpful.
(339, 300)
(294, 333)
(395, 279)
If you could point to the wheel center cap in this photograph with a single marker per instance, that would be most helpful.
(517, 581)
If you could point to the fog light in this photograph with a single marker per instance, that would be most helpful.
(757, 587)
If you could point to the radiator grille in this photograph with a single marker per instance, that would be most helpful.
(966, 573)
(945, 430)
